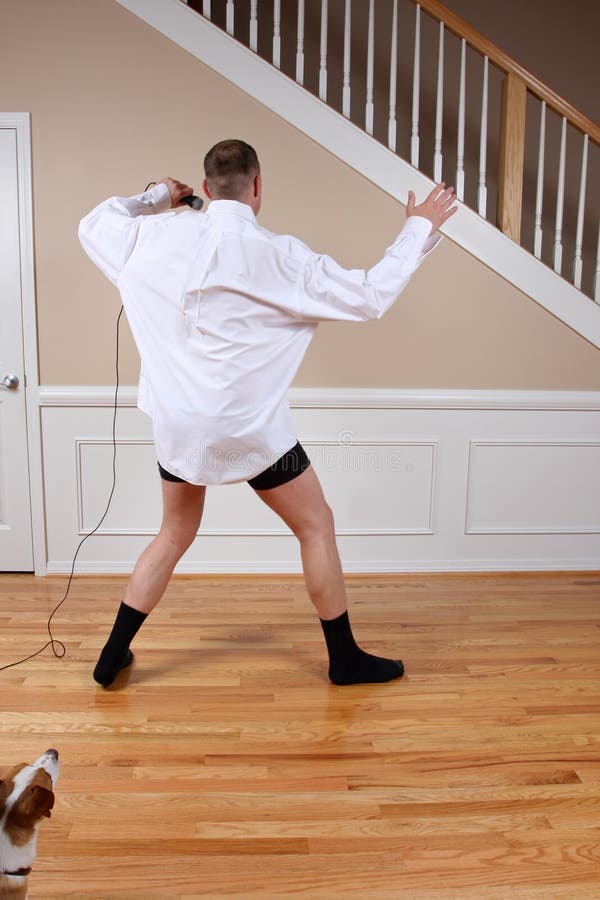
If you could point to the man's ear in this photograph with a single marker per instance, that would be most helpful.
(205, 189)
(257, 185)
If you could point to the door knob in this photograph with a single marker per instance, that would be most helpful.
(11, 382)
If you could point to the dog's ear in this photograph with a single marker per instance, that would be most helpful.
(4, 792)
(34, 804)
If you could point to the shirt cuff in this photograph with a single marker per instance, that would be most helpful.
(159, 197)
(431, 242)
(418, 225)
(421, 228)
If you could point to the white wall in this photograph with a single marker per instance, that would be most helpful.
(418, 481)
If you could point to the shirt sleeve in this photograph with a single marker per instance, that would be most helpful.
(109, 232)
(328, 292)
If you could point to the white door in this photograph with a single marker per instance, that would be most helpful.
(16, 550)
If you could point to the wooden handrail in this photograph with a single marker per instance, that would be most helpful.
(504, 62)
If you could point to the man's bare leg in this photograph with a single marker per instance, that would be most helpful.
(183, 505)
(302, 506)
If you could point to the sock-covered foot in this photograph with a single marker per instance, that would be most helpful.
(107, 668)
(116, 654)
(363, 668)
(348, 663)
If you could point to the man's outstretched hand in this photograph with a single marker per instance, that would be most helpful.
(437, 207)
(177, 189)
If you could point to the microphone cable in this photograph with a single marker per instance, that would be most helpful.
(58, 648)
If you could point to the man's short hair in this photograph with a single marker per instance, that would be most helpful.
(229, 166)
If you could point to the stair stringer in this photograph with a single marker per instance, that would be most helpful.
(381, 166)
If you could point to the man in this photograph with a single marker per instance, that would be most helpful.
(222, 312)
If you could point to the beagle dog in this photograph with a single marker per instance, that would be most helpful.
(26, 797)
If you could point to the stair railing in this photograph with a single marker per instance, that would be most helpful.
(329, 45)
(516, 84)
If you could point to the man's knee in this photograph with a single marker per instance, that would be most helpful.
(319, 526)
(179, 538)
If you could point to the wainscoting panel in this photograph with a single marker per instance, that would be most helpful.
(418, 481)
(534, 488)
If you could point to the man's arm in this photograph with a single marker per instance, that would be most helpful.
(329, 292)
(109, 232)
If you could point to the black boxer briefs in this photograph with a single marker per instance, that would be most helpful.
(287, 467)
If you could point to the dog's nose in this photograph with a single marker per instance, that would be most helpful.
(52, 752)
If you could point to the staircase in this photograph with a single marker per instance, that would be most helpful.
(378, 84)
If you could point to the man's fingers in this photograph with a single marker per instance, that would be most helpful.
(435, 193)
(178, 187)
(438, 206)
(449, 212)
(446, 195)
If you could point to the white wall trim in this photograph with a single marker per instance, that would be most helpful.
(349, 143)
(356, 398)
(282, 530)
(20, 121)
(530, 529)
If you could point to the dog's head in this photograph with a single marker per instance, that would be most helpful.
(26, 797)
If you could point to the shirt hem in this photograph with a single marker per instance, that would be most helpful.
(243, 478)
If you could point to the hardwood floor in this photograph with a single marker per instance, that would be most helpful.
(225, 764)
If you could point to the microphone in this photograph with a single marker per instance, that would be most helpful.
(193, 202)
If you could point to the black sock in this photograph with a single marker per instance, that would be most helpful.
(116, 654)
(348, 664)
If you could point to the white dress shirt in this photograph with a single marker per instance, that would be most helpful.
(222, 312)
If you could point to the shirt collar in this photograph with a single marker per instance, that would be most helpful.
(231, 207)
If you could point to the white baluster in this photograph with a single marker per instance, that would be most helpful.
(323, 66)
(253, 25)
(482, 189)
(597, 275)
(439, 110)
(539, 195)
(277, 34)
(393, 79)
(206, 8)
(346, 83)
(460, 150)
(580, 213)
(560, 199)
(414, 138)
(300, 44)
(370, 48)
(229, 17)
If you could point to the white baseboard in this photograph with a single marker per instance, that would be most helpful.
(385, 567)
(421, 481)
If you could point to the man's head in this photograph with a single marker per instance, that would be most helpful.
(232, 172)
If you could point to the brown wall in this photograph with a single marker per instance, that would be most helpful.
(556, 41)
(115, 105)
